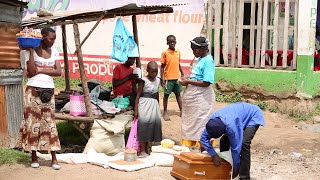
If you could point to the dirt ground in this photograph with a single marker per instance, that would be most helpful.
(279, 151)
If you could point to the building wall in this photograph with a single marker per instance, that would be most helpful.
(11, 105)
(186, 22)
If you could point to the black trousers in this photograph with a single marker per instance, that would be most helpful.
(245, 156)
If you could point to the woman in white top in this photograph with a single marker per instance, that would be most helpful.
(38, 128)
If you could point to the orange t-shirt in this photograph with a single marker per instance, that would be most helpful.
(171, 60)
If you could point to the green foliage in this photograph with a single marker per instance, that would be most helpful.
(273, 109)
(262, 105)
(61, 84)
(229, 98)
(300, 115)
(70, 135)
(11, 156)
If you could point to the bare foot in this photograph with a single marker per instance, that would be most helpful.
(166, 117)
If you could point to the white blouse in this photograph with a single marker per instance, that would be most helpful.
(42, 80)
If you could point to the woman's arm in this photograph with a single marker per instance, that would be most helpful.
(52, 72)
(31, 65)
(195, 83)
(139, 92)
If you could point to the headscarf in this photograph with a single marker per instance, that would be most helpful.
(215, 127)
(199, 43)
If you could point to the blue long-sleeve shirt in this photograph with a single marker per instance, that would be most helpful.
(236, 117)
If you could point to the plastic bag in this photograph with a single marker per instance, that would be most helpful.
(121, 102)
(133, 50)
(124, 45)
(133, 136)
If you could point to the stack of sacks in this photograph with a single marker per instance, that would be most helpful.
(163, 154)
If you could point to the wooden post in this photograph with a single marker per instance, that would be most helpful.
(264, 33)
(217, 24)
(209, 23)
(276, 33)
(258, 44)
(295, 44)
(3, 118)
(90, 32)
(65, 58)
(225, 41)
(252, 32)
(240, 33)
(233, 12)
(285, 34)
(81, 68)
(136, 38)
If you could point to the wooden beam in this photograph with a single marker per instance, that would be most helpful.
(233, 12)
(90, 32)
(252, 32)
(217, 23)
(258, 43)
(136, 38)
(240, 32)
(285, 35)
(225, 42)
(276, 33)
(264, 33)
(65, 57)
(81, 68)
(67, 117)
(295, 41)
(3, 118)
(209, 22)
(87, 18)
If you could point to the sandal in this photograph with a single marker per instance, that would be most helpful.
(35, 165)
(56, 166)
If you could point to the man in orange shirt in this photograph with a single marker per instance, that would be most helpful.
(170, 73)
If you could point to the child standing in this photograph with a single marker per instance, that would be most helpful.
(147, 109)
(170, 73)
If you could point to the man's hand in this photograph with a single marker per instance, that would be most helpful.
(217, 160)
(235, 172)
(163, 83)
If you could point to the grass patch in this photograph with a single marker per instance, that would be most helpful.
(60, 83)
(299, 115)
(11, 156)
(228, 98)
(69, 135)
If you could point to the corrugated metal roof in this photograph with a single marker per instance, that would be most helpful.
(18, 3)
(87, 16)
(9, 48)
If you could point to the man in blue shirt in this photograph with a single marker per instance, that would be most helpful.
(237, 124)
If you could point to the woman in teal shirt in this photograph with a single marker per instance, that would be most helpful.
(198, 98)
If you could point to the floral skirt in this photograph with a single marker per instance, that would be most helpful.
(38, 129)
